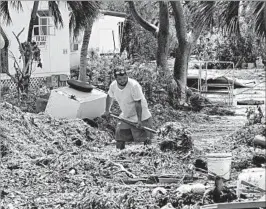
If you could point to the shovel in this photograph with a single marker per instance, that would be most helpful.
(134, 124)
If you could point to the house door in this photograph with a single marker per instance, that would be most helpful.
(107, 42)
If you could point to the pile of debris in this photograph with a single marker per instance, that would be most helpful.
(60, 163)
(217, 110)
(56, 163)
(248, 145)
(246, 134)
(175, 137)
(45, 161)
(52, 163)
(165, 113)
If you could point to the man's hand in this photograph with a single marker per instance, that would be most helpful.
(106, 115)
(139, 124)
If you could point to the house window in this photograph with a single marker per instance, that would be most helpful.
(43, 27)
(44, 24)
(74, 47)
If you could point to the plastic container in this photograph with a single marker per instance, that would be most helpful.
(69, 103)
(255, 176)
(220, 164)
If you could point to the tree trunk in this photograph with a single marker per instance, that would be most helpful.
(4, 37)
(84, 52)
(32, 20)
(183, 51)
(161, 33)
(264, 19)
(163, 37)
(26, 78)
(146, 25)
(4, 52)
(181, 68)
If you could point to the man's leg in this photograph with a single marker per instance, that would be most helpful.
(122, 135)
(141, 135)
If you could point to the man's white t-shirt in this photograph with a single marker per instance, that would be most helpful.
(126, 99)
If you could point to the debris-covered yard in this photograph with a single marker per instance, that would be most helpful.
(52, 163)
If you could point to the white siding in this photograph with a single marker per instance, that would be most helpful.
(101, 37)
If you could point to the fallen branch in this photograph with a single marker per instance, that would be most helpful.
(122, 169)
(187, 155)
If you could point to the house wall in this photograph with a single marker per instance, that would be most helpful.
(101, 37)
(55, 55)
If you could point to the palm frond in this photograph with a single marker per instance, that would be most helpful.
(54, 9)
(71, 21)
(4, 10)
(260, 18)
(203, 11)
(229, 18)
(77, 20)
(16, 5)
(80, 13)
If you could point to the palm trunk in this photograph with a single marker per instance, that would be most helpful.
(32, 20)
(84, 52)
(183, 51)
(264, 19)
(163, 37)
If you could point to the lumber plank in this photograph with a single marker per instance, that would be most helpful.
(237, 205)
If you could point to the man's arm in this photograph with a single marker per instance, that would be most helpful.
(138, 110)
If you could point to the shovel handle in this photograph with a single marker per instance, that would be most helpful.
(133, 124)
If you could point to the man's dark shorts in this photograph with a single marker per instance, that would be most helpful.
(129, 133)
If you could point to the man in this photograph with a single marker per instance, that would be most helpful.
(128, 93)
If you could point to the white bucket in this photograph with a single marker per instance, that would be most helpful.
(255, 176)
(220, 164)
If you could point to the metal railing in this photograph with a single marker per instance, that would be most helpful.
(203, 87)
(41, 40)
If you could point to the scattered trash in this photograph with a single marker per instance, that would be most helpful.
(199, 163)
(191, 188)
(255, 176)
(260, 140)
(158, 191)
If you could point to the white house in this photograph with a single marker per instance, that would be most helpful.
(58, 53)
(54, 44)
(105, 37)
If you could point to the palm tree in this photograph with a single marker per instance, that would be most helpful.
(83, 22)
(32, 20)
